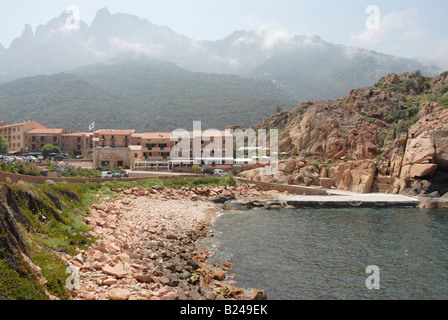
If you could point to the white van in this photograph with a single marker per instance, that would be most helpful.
(220, 172)
(106, 174)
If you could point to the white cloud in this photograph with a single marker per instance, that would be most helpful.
(148, 49)
(268, 35)
(439, 55)
(369, 36)
(395, 26)
(272, 38)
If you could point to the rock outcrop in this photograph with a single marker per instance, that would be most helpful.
(385, 138)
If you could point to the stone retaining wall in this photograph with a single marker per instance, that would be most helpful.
(39, 179)
(283, 187)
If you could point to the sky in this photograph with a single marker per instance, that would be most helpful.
(405, 28)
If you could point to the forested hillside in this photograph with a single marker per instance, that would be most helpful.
(139, 93)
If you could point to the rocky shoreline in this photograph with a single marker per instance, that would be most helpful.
(147, 247)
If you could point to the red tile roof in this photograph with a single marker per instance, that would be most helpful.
(117, 132)
(45, 131)
(156, 135)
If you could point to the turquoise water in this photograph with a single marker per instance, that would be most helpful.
(323, 253)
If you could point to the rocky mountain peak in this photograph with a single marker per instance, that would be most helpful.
(391, 137)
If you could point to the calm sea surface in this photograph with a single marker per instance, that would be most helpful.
(323, 253)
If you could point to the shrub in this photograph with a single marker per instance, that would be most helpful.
(444, 90)
(425, 86)
(49, 148)
(231, 181)
(196, 168)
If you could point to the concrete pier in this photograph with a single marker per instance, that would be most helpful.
(336, 199)
(341, 200)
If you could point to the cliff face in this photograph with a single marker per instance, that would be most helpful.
(385, 138)
(36, 223)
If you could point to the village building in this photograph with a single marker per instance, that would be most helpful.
(111, 148)
(36, 139)
(15, 133)
(125, 148)
(78, 144)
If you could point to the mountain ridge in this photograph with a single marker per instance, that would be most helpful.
(55, 48)
(146, 94)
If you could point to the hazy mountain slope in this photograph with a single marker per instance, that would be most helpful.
(318, 70)
(307, 67)
(139, 93)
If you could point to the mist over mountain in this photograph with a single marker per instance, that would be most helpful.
(308, 68)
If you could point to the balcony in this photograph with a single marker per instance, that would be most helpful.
(156, 158)
(156, 149)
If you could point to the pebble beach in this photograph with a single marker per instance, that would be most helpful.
(146, 247)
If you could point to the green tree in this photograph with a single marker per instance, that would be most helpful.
(4, 145)
(196, 168)
(49, 148)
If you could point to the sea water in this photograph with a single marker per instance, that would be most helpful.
(329, 253)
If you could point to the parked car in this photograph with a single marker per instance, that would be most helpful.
(106, 174)
(40, 157)
(124, 174)
(207, 171)
(59, 157)
(33, 159)
(117, 175)
(220, 172)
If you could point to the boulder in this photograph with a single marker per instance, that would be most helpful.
(420, 170)
(355, 176)
(118, 294)
(420, 150)
(441, 146)
(117, 271)
(287, 166)
(327, 182)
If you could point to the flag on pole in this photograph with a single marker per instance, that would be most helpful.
(92, 126)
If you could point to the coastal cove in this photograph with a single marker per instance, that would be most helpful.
(323, 254)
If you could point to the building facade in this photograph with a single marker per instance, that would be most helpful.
(78, 144)
(124, 148)
(36, 139)
(15, 134)
(111, 148)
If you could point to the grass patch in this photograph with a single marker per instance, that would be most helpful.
(53, 220)
(19, 284)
